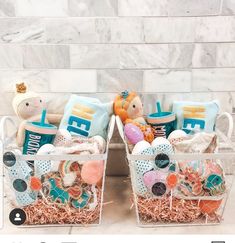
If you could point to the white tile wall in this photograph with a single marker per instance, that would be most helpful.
(186, 47)
(84, 8)
(41, 8)
(111, 45)
(73, 81)
(169, 7)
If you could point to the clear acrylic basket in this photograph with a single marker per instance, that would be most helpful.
(61, 211)
(170, 210)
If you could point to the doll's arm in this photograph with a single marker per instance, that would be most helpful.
(54, 118)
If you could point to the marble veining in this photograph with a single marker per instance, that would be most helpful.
(228, 7)
(109, 45)
(70, 30)
(213, 79)
(193, 8)
(169, 7)
(76, 80)
(24, 30)
(94, 56)
(144, 56)
(160, 30)
(156, 56)
(11, 57)
(94, 30)
(93, 8)
(225, 55)
(216, 29)
(204, 55)
(53, 8)
(37, 80)
(142, 8)
(7, 8)
(167, 80)
(113, 80)
(46, 56)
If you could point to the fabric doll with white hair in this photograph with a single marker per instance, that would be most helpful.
(28, 106)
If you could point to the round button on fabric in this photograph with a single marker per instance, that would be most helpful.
(9, 159)
(20, 185)
(159, 189)
(162, 161)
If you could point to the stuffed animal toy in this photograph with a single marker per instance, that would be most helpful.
(28, 106)
(129, 108)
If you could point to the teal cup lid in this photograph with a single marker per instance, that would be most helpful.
(160, 116)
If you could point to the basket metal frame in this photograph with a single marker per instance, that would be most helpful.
(225, 145)
(6, 145)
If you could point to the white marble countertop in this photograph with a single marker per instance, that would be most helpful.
(118, 218)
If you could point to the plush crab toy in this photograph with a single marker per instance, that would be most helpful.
(28, 106)
(129, 108)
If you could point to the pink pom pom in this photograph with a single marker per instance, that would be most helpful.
(92, 171)
(133, 133)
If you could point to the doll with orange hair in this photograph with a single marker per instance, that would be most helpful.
(129, 108)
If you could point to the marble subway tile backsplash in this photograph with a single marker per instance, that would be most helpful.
(164, 46)
(160, 30)
(169, 7)
(89, 8)
(11, 57)
(72, 30)
(156, 56)
(94, 56)
(46, 56)
(7, 8)
(94, 30)
(37, 80)
(72, 80)
(190, 29)
(167, 80)
(228, 7)
(222, 79)
(115, 80)
(22, 30)
(41, 8)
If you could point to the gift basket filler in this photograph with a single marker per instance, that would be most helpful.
(181, 164)
(54, 164)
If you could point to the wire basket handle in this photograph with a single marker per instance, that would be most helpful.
(4, 136)
(230, 123)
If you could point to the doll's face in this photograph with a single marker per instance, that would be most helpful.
(30, 107)
(135, 108)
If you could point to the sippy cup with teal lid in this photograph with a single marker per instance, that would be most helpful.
(37, 134)
(163, 123)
